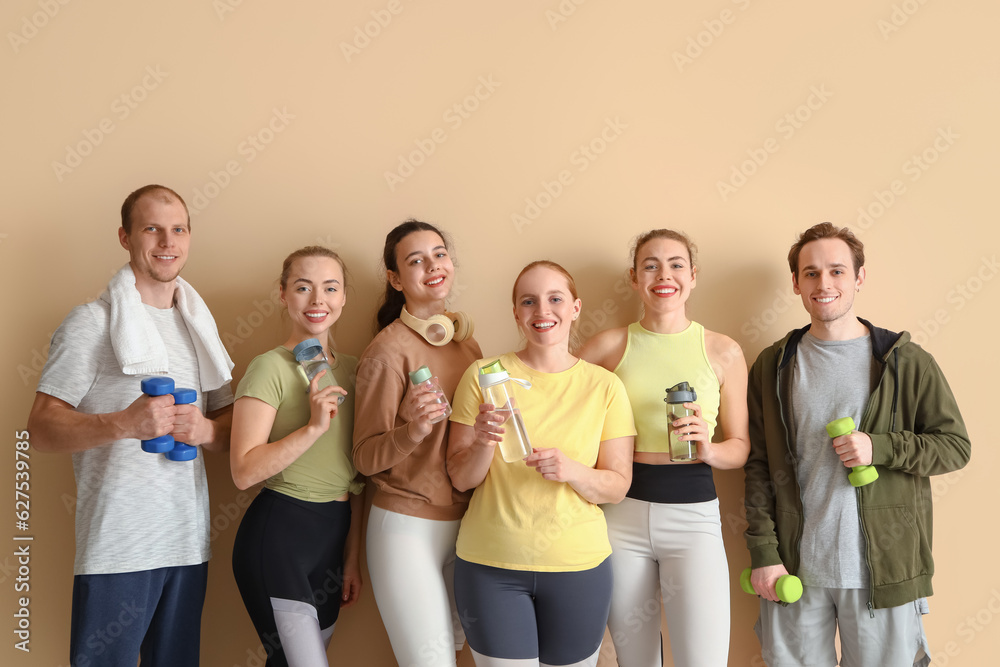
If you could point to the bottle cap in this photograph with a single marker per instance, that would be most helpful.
(495, 373)
(422, 374)
(681, 392)
(492, 374)
(495, 367)
(307, 349)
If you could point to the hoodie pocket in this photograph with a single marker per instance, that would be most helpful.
(894, 543)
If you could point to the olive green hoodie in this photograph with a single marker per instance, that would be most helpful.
(916, 431)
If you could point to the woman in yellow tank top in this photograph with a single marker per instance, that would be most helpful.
(667, 534)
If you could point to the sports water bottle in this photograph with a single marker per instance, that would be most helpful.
(423, 376)
(677, 396)
(495, 383)
(310, 354)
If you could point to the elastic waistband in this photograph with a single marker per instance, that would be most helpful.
(687, 483)
(329, 508)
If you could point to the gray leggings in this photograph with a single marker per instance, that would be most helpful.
(555, 618)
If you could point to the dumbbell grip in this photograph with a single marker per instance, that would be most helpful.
(859, 475)
(157, 386)
(788, 587)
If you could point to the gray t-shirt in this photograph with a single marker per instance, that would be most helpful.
(135, 511)
(830, 380)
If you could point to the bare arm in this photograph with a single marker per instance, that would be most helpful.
(252, 458)
(56, 426)
(606, 348)
(607, 482)
(351, 588)
(733, 420)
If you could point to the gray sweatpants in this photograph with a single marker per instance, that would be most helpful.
(803, 633)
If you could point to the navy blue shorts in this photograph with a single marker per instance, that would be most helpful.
(152, 614)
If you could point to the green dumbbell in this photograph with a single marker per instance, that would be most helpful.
(860, 475)
(788, 586)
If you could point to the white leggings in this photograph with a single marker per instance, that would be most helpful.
(411, 562)
(673, 553)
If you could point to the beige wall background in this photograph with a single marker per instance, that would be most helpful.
(526, 130)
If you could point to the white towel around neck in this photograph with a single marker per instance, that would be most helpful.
(139, 347)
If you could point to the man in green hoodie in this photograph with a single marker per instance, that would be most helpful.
(863, 554)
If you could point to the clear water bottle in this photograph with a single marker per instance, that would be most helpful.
(311, 356)
(496, 384)
(423, 376)
(677, 396)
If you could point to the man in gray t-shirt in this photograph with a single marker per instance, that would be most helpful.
(142, 521)
(863, 554)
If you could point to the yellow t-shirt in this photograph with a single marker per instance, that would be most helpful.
(518, 520)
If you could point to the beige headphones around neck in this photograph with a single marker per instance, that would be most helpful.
(440, 330)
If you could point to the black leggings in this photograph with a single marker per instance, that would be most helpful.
(288, 558)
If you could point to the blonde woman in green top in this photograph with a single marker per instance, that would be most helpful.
(296, 555)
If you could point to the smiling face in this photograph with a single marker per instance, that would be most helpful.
(158, 241)
(314, 296)
(663, 274)
(425, 272)
(826, 281)
(544, 306)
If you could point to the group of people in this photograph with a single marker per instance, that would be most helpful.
(528, 561)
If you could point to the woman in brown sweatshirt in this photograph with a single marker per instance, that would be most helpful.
(400, 442)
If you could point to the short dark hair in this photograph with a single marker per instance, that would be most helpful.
(827, 230)
(165, 194)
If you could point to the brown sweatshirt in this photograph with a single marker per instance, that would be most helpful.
(410, 477)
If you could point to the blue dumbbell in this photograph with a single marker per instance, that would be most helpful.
(158, 386)
(180, 450)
